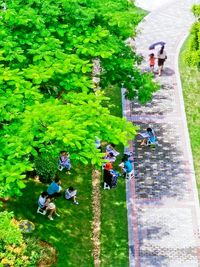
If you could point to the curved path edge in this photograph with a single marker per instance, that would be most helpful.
(162, 200)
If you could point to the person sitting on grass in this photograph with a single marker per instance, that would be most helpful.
(41, 203)
(51, 207)
(54, 188)
(46, 204)
(70, 194)
(64, 162)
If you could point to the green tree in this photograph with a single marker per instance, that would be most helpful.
(53, 126)
(47, 49)
(53, 43)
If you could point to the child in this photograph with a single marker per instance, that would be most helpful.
(152, 61)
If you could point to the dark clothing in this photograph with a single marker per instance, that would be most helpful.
(107, 177)
(55, 195)
(161, 61)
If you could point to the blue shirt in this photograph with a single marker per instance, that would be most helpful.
(128, 166)
(152, 137)
(53, 188)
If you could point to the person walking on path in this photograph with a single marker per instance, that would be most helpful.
(162, 56)
(162, 200)
(152, 62)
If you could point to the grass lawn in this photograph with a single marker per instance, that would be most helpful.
(114, 228)
(70, 233)
(190, 77)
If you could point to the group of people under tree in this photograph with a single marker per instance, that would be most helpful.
(110, 176)
(54, 190)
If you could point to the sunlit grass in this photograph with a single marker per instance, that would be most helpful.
(190, 77)
(114, 228)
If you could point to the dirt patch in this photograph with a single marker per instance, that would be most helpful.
(96, 224)
(49, 255)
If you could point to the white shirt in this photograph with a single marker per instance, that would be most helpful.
(69, 194)
(162, 56)
(42, 201)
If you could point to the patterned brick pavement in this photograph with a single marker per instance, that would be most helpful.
(162, 201)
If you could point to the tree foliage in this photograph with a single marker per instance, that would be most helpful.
(47, 49)
(192, 54)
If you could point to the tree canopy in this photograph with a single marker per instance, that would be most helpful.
(48, 104)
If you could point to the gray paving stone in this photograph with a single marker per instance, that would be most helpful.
(163, 207)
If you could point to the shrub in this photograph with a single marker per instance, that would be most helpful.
(192, 54)
(46, 167)
(16, 250)
(12, 246)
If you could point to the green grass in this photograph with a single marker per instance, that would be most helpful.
(190, 77)
(114, 228)
(70, 234)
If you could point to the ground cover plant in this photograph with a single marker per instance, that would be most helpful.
(191, 84)
(191, 54)
(190, 72)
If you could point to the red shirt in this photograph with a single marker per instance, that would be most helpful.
(152, 61)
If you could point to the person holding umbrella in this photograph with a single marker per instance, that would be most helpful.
(161, 56)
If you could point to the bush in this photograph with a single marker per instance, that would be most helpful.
(16, 250)
(192, 54)
(46, 167)
(12, 246)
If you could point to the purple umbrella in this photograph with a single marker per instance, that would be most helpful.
(155, 44)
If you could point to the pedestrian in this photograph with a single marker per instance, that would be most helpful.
(152, 62)
(162, 56)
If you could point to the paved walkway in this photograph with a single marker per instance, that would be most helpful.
(162, 201)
